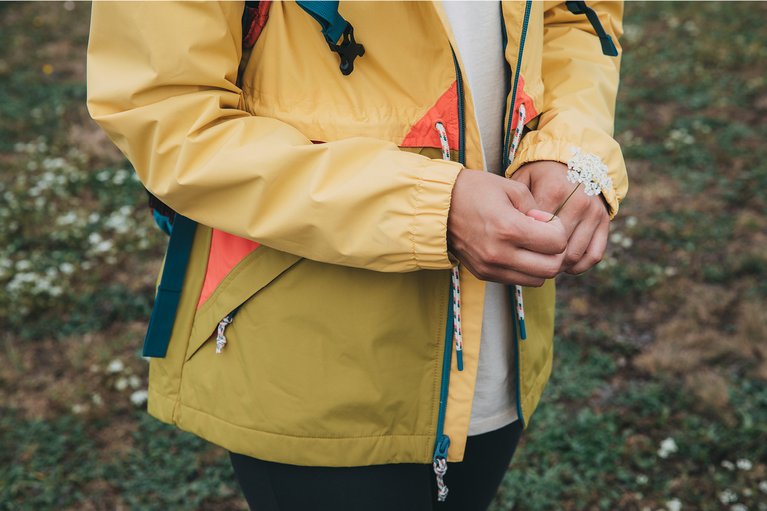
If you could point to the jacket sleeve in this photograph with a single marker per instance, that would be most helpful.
(580, 88)
(161, 83)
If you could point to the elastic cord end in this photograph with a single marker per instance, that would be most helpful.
(522, 330)
(459, 359)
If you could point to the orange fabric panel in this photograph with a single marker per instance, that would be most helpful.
(423, 134)
(257, 17)
(226, 251)
(523, 98)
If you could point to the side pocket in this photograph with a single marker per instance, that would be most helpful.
(249, 277)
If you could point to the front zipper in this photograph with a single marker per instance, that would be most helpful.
(518, 325)
(523, 36)
(442, 441)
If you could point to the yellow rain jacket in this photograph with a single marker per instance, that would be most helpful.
(322, 204)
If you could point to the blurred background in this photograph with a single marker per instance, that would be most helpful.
(658, 398)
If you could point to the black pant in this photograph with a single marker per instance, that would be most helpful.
(472, 483)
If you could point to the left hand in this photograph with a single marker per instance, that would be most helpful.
(585, 218)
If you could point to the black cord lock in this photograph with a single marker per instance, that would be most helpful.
(348, 50)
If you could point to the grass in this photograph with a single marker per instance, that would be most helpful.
(658, 396)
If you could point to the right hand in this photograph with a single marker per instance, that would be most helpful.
(495, 230)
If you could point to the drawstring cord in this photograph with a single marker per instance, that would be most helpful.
(455, 275)
(521, 119)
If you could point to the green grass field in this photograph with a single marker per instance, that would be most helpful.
(658, 398)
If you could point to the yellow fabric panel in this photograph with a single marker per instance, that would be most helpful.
(461, 390)
(535, 352)
(164, 90)
(389, 90)
(326, 352)
(580, 90)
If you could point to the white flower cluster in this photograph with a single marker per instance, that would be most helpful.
(588, 169)
(667, 447)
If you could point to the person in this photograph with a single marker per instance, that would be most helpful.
(365, 223)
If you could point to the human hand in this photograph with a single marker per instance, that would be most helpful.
(496, 232)
(584, 217)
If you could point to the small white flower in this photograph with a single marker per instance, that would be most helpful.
(627, 242)
(631, 222)
(97, 399)
(667, 447)
(67, 218)
(674, 505)
(738, 507)
(139, 397)
(763, 486)
(134, 381)
(67, 268)
(642, 479)
(728, 465)
(115, 366)
(103, 246)
(728, 496)
(744, 464)
(121, 383)
(77, 408)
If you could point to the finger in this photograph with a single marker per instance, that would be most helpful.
(544, 237)
(532, 263)
(578, 243)
(519, 195)
(502, 275)
(541, 216)
(595, 250)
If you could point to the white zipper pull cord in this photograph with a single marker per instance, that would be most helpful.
(440, 468)
(455, 274)
(220, 336)
(521, 118)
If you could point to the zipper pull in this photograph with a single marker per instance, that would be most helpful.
(440, 466)
(220, 336)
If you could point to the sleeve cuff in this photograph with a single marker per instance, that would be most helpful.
(538, 146)
(428, 229)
